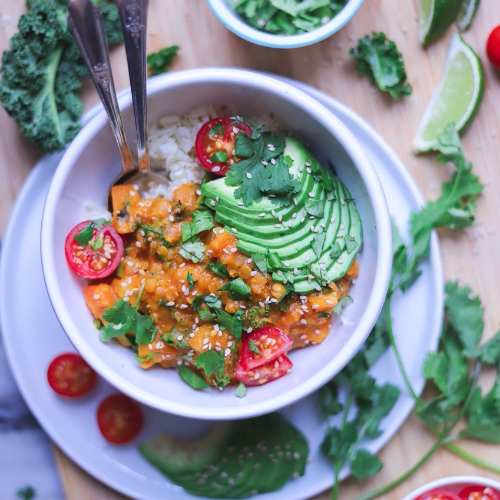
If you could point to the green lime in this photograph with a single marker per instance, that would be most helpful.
(466, 14)
(456, 98)
(435, 18)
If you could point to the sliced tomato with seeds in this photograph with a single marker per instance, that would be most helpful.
(264, 373)
(94, 249)
(264, 345)
(215, 143)
(439, 494)
(119, 419)
(70, 376)
(479, 493)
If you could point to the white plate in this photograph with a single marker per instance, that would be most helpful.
(33, 337)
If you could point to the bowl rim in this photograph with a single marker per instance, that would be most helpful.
(369, 179)
(452, 480)
(234, 23)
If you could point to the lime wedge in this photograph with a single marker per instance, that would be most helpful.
(466, 14)
(435, 18)
(456, 98)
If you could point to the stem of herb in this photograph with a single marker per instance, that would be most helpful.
(395, 349)
(335, 488)
(460, 452)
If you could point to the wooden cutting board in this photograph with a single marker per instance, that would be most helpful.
(471, 256)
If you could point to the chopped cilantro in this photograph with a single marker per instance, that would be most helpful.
(96, 244)
(236, 289)
(241, 390)
(147, 358)
(210, 361)
(172, 338)
(203, 220)
(219, 156)
(342, 303)
(84, 237)
(193, 249)
(157, 232)
(260, 261)
(26, 493)
(252, 347)
(318, 244)
(217, 130)
(350, 243)
(336, 251)
(316, 208)
(195, 381)
(323, 315)
(191, 281)
(218, 268)
(123, 318)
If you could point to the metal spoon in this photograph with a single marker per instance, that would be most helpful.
(86, 25)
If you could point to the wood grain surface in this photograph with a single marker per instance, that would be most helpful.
(472, 256)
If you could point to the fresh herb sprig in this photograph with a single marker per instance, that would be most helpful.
(159, 62)
(449, 368)
(379, 59)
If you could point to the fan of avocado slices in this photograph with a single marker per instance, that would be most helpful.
(291, 215)
(235, 460)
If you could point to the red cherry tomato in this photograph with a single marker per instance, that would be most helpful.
(215, 143)
(119, 418)
(264, 373)
(270, 342)
(479, 493)
(439, 494)
(70, 376)
(100, 256)
(493, 47)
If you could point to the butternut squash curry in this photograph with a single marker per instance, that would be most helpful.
(224, 279)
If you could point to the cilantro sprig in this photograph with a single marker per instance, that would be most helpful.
(263, 170)
(453, 370)
(378, 58)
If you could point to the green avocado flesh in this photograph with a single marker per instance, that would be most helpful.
(314, 249)
(235, 460)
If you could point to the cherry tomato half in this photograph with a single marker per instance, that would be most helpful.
(264, 345)
(439, 494)
(264, 373)
(119, 419)
(479, 493)
(493, 47)
(215, 143)
(100, 256)
(70, 376)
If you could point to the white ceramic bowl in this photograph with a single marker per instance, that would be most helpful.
(240, 27)
(453, 483)
(92, 162)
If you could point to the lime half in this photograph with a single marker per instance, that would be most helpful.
(466, 14)
(435, 18)
(456, 98)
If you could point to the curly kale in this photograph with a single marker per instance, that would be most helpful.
(379, 59)
(41, 73)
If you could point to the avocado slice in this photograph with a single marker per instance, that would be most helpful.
(235, 460)
(263, 227)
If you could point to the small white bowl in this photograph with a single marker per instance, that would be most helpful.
(240, 27)
(90, 165)
(453, 483)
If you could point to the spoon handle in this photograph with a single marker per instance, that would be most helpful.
(86, 25)
(133, 16)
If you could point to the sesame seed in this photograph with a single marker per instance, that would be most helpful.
(227, 352)
(96, 297)
(216, 169)
(253, 273)
(234, 250)
(329, 302)
(273, 213)
(280, 218)
(217, 199)
(279, 272)
(308, 170)
(234, 230)
(307, 258)
(277, 225)
(303, 337)
(286, 263)
(341, 226)
(318, 288)
(249, 175)
(212, 203)
(138, 244)
(295, 201)
(249, 261)
(294, 215)
(311, 195)
(342, 202)
(264, 163)
(183, 306)
(332, 220)
(303, 219)
(171, 218)
(270, 147)
(262, 214)
(308, 164)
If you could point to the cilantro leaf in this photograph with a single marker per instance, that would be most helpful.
(260, 261)
(336, 251)
(364, 464)
(279, 182)
(210, 361)
(26, 493)
(318, 244)
(191, 281)
(232, 324)
(147, 358)
(486, 433)
(159, 62)
(195, 381)
(490, 351)
(315, 208)
(203, 220)
(379, 59)
(218, 268)
(84, 236)
(350, 243)
(252, 347)
(241, 390)
(123, 318)
(342, 303)
(193, 249)
(236, 289)
(156, 232)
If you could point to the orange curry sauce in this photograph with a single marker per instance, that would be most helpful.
(165, 272)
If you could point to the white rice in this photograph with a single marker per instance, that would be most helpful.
(171, 146)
